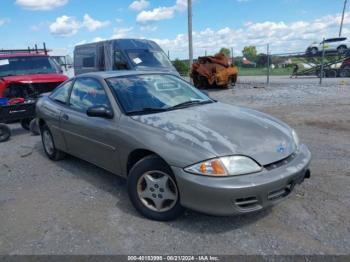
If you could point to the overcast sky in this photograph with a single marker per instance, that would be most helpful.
(288, 25)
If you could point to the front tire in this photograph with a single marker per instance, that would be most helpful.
(49, 145)
(153, 190)
(314, 51)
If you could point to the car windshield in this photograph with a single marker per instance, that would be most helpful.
(152, 93)
(147, 58)
(26, 65)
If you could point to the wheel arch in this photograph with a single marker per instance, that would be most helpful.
(138, 154)
(342, 45)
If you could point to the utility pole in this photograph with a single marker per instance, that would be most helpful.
(322, 61)
(190, 43)
(231, 56)
(342, 18)
(268, 64)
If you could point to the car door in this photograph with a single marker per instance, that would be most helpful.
(327, 45)
(90, 138)
(52, 110)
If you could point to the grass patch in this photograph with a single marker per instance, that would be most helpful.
(243, 71)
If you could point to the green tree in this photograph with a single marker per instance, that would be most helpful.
(181, 67)
(225, 51)
(250, 53)
(261, 60)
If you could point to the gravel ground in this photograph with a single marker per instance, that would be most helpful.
(73, 207)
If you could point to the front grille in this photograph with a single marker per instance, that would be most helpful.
(32, 90)
(45, 87)
(280, 163)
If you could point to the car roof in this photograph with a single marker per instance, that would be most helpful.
(124, 43)
(119, 73)
(336, 38)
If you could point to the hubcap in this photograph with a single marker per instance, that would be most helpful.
(48, 143)
(157, 191)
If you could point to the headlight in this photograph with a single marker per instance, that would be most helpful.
(225, 166)
(296, 139)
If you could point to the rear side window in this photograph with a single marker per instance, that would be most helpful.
(330, 40)
(61, 93)
(86, 60)
(89, 61)
(87, 92)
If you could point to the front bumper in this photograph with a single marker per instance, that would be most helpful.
(245, 193)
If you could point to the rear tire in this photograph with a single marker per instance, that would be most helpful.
(34, 127)
(5, 133)
(331, 74)
(25, 123)
(341, 49)
(49, 145)
(153, 191)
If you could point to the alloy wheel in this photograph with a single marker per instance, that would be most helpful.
(341, 50)
(157, 191)
(48, 143)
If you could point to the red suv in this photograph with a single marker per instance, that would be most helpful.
(27, 75)
(24, 75)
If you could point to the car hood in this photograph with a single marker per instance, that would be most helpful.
(314, 44)
(224, 130)
(37, 78)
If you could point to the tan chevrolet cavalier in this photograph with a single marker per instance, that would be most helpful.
(177, 147)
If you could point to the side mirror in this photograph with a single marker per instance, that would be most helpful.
(100, 111)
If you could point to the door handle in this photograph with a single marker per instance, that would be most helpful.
(65, 117)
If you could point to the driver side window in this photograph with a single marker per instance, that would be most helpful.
(87, 92)
(119, 61)
(61, 93)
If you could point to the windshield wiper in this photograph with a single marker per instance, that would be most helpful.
(42, 73)
(192, 102)
(147, 110)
